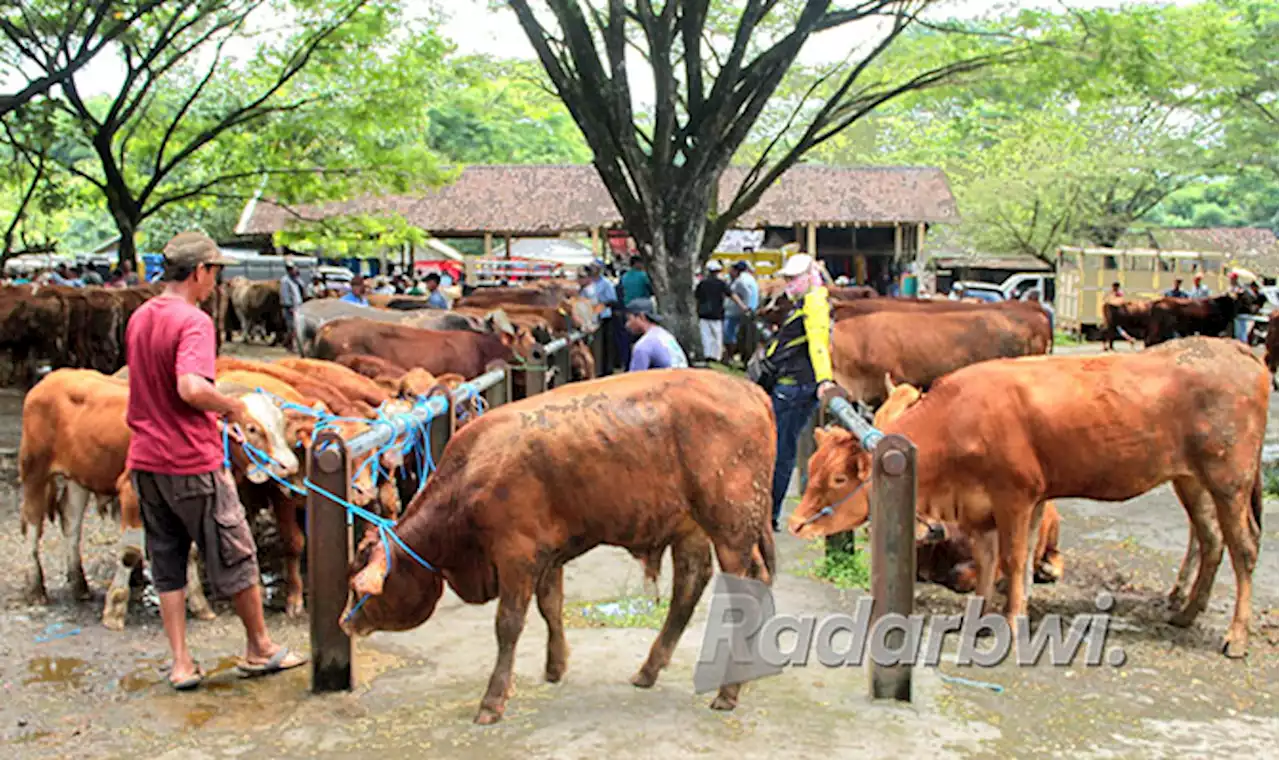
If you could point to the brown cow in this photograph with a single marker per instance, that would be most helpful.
(32, 327)
(920, 347)
(997, 439)
(352, 384)
(950, 562)
(257, 307)
(1191, 316)
(73, 426)
(493, 530)
(311, 387)
(532, 296)
(437, 351)
(1127, 319)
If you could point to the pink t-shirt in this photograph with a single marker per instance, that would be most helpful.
(165, 339)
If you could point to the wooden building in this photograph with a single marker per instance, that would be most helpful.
(864, 222)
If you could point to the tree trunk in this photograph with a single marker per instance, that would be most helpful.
(124, 212)
(676, 248)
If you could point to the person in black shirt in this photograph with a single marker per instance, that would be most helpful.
(710, 295)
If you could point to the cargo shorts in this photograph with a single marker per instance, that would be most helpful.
(177, 509)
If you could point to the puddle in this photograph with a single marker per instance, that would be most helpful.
(199, 716)
(628, 612)
(64, 671)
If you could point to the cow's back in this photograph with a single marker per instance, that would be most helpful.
(611, 458)
(1102, 427)
(920, 347)
(73, 424)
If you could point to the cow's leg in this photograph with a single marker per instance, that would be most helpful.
(197, 603)
(1234, 515)
(513, 605)
(77, 506)
(1049, 562)
(117, 603)
(1033, 545)
(293, 543)
(551, 605)
(985, 560)
(39, 503)
(1014, 552)
(739, 564)
(691, 569)
(1200, 509)
(1190, 561)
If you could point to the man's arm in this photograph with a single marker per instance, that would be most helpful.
(200, 393)
(640, 357)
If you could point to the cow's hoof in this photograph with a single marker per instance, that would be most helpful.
(1176, 600)
(116, 606)
(1184, 617)
(555, 672)
(643, 679)
(487, 716)
(1235, 646)
(721, 702)
(36, 595)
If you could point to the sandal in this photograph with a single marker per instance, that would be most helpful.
(189, 683)
(278, 662)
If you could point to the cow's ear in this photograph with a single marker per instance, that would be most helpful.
(506, 338)
(369, 580)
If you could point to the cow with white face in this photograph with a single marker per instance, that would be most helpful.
(74, 429)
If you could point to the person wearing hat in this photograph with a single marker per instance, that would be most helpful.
(1176, 291)
(175, 458)
(656, 348)
(290, 299)
(1198, 288)
(1242, 321)
(710, 295)
(746, 292)
(800, 357)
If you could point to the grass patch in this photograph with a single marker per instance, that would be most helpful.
(1066, 339)
(1271, 481)
(839, 566)
(623, 612)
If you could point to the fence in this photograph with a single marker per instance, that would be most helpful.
(329, 508)
(893, 540)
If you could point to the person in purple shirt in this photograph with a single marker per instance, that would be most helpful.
(657, 348)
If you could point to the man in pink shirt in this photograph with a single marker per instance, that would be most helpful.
(176, 459)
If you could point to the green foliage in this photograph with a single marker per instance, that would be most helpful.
(844, 566)
(1271, 481)
(361, 235)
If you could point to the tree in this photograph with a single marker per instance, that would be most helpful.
(57, 39)
(324, 107)
(711, 88)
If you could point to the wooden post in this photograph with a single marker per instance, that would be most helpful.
(893, 554)
(597, 351)
(897, 242)
(488, 244)
(328, 558)
(811, 240)
(596, 250)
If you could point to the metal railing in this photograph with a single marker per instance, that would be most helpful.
(330, 525)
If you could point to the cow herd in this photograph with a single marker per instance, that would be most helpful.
(663, 458)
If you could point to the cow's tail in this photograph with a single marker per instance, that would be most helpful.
(1255, 500)
(768, 556)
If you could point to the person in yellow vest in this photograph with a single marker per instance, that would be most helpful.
(797, 365)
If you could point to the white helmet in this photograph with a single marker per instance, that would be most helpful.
(796, 265)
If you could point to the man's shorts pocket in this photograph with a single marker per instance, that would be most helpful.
(234, 538)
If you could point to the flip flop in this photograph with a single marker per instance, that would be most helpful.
(189, 683)
(275, 665)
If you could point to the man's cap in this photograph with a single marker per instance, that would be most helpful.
(738, 266)
(714, 266)
(796, 265)
(193, 249)
(643, 306)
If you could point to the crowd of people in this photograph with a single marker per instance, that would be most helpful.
(76, 276)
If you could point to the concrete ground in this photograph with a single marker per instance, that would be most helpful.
(74, 689)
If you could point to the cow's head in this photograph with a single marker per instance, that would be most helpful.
(399, 600)
(523, 345)
(584, 314)
(264, 429)
(837, 497)
(582, 363)
(898, 399)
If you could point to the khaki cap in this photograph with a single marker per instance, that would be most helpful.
(193, 249)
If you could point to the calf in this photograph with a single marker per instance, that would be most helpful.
(494, 530)
(950, 562)
(73, 427)
(1125, 319)
(998, 439)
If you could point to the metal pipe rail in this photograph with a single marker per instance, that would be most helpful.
(893, 538)
(392, 429)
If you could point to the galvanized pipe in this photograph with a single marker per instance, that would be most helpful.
(844, 412)
(382, 434)
(559, 344)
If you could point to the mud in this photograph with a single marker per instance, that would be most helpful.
(70, 688)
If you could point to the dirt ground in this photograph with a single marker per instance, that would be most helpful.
(73, 689)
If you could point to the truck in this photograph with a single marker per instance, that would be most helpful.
(1015, 287)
